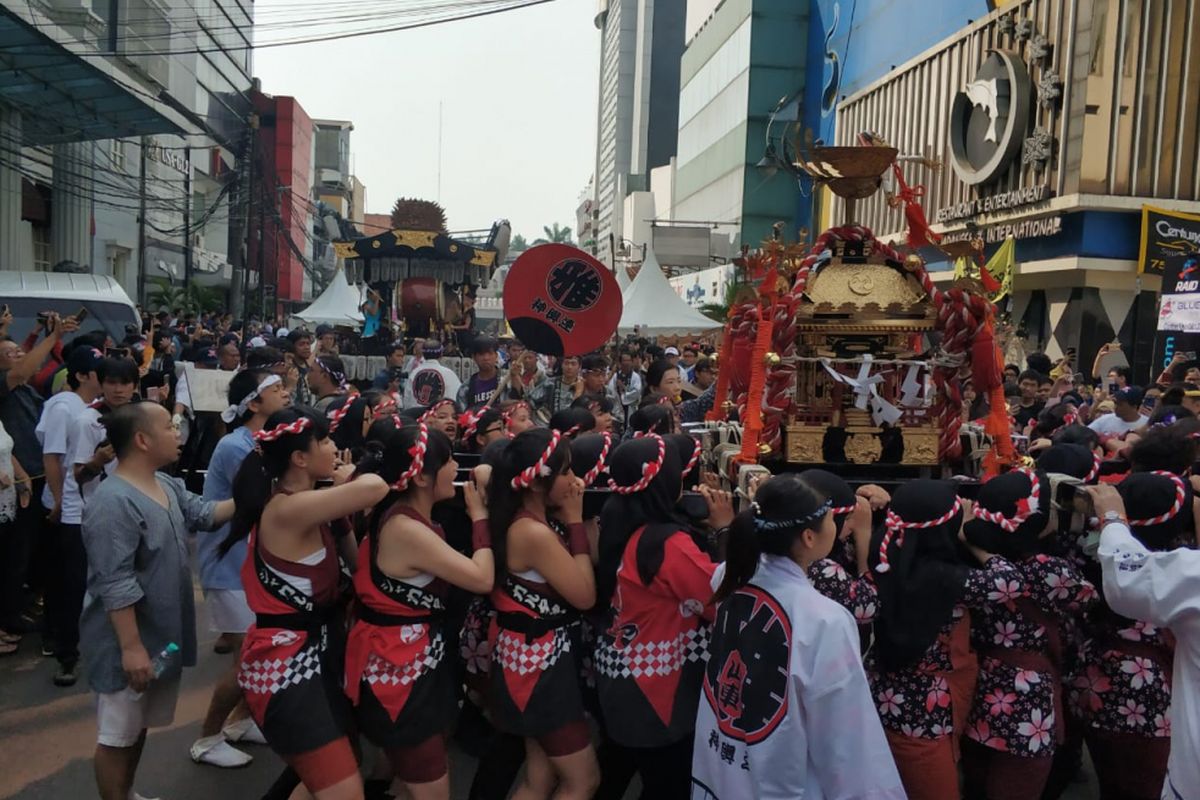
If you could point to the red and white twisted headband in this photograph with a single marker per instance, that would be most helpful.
(286, 429)
(839, 510)
(540, 468)
(694, 460)
(649, 470)
(1026, 506)
(1170, 513)
(468, 421)
(433, 409)
(896, 526)
(386, 406)
(1091, 476)
(338, 414)
(417, 451)
(1070, 418)
(590, 476)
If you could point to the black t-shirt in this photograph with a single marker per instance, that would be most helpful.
(480, 391)
(1025, 415)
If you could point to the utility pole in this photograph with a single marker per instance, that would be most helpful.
(141, 234)
(187, 219)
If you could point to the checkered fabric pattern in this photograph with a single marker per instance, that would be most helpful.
(380, 670)
(515, 655)
(274, 675)
(651, 658)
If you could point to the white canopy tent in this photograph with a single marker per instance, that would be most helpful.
(337, 305)
(654, 307)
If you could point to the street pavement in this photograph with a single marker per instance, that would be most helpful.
(48, 735)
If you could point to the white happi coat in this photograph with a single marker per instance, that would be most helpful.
(786, 711)
(1163, 588)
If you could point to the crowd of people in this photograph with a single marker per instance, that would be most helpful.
(536, 562)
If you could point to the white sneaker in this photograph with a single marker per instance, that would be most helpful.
(245, 730)
(135, 796)
(216, 751)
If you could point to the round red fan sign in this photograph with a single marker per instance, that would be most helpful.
(560, 301)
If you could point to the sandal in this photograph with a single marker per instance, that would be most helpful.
(8, 648)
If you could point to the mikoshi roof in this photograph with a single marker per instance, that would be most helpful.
(654, 307)
(337, 305)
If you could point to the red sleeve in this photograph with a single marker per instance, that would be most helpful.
(30, 341)
(687, 572)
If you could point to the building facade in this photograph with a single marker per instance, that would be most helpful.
(1057, 120)
(280, 244)
(742, 72)
(150, 100)
(641, 42)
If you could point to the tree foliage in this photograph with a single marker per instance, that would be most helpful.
(163, 295)
(410, 213)
(555, 233)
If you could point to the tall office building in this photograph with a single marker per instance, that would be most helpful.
(641, 42)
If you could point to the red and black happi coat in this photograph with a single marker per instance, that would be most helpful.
(397, 673)
(649, 663)
(535, 650)
(292, 657)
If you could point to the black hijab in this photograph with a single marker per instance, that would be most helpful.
(652, 507)
(926, 573)
(1151, 495)
(1018, 516)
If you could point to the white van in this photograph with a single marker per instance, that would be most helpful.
(28, 293)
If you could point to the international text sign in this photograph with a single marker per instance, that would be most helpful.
(1166, 234)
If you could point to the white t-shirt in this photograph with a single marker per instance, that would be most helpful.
(1112, 425)
(58, 415)
(86, 435)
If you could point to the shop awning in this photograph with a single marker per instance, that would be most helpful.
(68, 91)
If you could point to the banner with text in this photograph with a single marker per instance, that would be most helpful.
(1178, 311)
(1166, 234)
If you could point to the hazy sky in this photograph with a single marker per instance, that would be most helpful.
(518, 93)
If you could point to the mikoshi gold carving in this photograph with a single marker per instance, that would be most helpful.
(804, 444)
(921, 446)
(859, 284)
(863, 448)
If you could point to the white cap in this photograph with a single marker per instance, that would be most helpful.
(282, 333)
(258, 341)
(671, 351)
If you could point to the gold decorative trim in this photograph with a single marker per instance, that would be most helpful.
(414, 239)
(344, 250)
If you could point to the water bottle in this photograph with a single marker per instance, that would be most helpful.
(164, 659)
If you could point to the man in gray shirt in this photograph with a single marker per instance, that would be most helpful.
(139, 589)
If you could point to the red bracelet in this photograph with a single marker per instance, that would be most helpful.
(577, 539)
(481, 535)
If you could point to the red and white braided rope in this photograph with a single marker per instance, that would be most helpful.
(896, 526)
(839, 510)
(286, 429)
(1026, 506)
(590, 476)
(697, 450)
(433, 409)
(386, 406)
(417, 451)
(540, 468)
(1095, 471)
(649, 470)
(1169, 514)
(512, 410)
(338, 414)
(468, 421)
